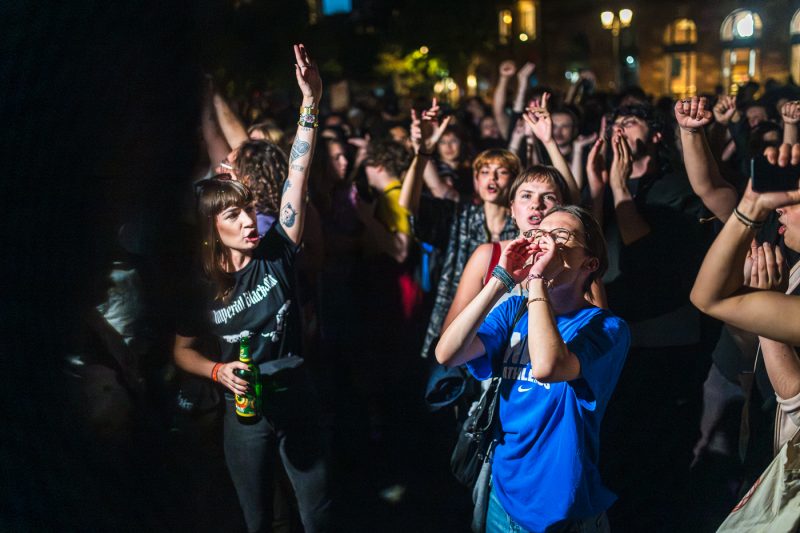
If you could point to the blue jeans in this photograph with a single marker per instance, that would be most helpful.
(250, 452)
(498, 521)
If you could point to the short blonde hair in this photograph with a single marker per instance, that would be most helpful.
(504, 158)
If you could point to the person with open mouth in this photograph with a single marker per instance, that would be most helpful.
(248, 294)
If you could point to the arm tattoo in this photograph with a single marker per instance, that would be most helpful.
(299, 149)
(299, 168)
(288, 216)
(286, 186)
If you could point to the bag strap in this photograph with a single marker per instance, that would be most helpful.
(492, 262)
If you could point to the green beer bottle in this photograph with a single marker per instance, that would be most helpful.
(248, 406)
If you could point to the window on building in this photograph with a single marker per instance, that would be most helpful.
(527, 17)
(680, 58)
(741, 56)
(504, 25)
(794, 33)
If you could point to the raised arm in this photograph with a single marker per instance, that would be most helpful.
(232, 127)
(216, 145)
(717, 195)
(538, 118)
(718, 288)
(295, 189)
(551, 360)
(790, 113)
(507, 70)
(523, 76)
(724, 112)
(579, 147)
(425, 133)
(632, 226)
(597, 178)
(459, 342)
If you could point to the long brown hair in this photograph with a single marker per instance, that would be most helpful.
(215, 195)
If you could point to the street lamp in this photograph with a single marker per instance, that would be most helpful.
(615, 22)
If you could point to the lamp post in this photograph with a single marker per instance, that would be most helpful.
(615, 22)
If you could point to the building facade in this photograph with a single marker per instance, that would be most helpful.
(678, 48)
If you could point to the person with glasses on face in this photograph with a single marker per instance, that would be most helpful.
(559, 364)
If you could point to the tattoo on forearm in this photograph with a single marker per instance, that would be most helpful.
(299, 168)
(288, 216)
(286, 186)
(299, 149)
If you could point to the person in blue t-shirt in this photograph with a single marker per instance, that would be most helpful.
(559, 364)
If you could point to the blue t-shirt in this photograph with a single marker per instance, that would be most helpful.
(545, 465)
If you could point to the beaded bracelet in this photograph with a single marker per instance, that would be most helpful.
(504, 277)
(215, 371)
(308, 117)
(538, 299)
(750, 223)
(547, 282)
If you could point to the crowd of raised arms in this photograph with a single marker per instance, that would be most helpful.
(603, 259)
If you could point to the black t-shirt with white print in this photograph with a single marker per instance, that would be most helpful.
(262, 305)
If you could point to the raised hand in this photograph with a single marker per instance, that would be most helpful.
(426, 130)
(765, 268)
(582, 141)
(515, 258)
(790, 112)
(507, 69)
(692, 114)
(550, 262)
(589, 76)
(361, 144)
(725, 109)
(621, 162)
(524, 72)
(596, 171)
(538, 118)
(307, 74)
(757, 205)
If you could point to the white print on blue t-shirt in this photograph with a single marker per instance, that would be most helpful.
(544, 468)
(517, 363)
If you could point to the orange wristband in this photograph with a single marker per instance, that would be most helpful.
(215, 371)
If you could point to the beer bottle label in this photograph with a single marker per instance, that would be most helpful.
(246, 405)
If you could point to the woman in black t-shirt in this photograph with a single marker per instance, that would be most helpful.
(250, 281)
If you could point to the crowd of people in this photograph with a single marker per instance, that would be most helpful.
(387, 260)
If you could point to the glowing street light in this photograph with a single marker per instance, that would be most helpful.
(615, 22)
(523, 37)
(607, 19)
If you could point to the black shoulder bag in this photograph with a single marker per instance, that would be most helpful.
(479, 432)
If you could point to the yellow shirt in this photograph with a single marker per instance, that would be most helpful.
(390, 212)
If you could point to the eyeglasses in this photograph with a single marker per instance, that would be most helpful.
(560, 236)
